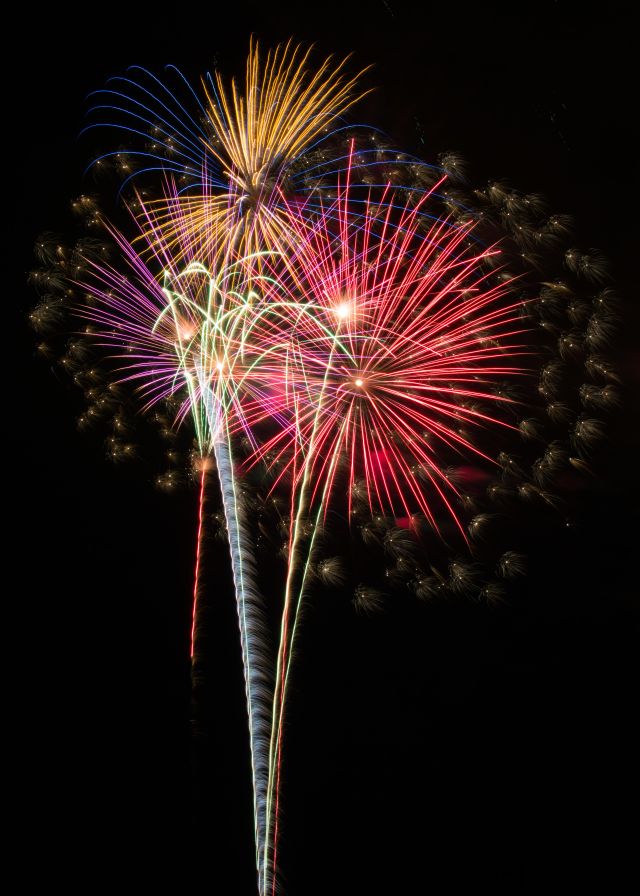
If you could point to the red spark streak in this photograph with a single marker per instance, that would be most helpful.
(196, 580)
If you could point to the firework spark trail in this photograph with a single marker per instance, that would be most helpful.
(251, 619)
(196, 577)
(290, 621)
(299, 501)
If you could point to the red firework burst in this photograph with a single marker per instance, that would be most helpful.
(406, 329)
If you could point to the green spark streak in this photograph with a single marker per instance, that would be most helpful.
(281, 689)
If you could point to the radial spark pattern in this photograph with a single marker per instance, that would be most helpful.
(359, 331)
(403, 330)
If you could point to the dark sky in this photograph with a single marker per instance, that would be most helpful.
(427, 745)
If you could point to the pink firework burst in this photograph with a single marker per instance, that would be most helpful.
(392, 367)
(190, 322)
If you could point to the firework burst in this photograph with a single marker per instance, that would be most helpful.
(402, 328)
(230, 161)
(344, 321)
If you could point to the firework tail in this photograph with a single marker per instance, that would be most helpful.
(298, 567)
(289, 628)
(196, 578)
(251, 620)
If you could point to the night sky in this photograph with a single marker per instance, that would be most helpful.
(428, 746)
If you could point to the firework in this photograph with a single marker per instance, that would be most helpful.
(402, 329)
(361, 328)
(364, 344)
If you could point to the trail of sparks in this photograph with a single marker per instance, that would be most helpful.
(252, 633)
(196, 578)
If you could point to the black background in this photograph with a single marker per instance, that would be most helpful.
(428, 745)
